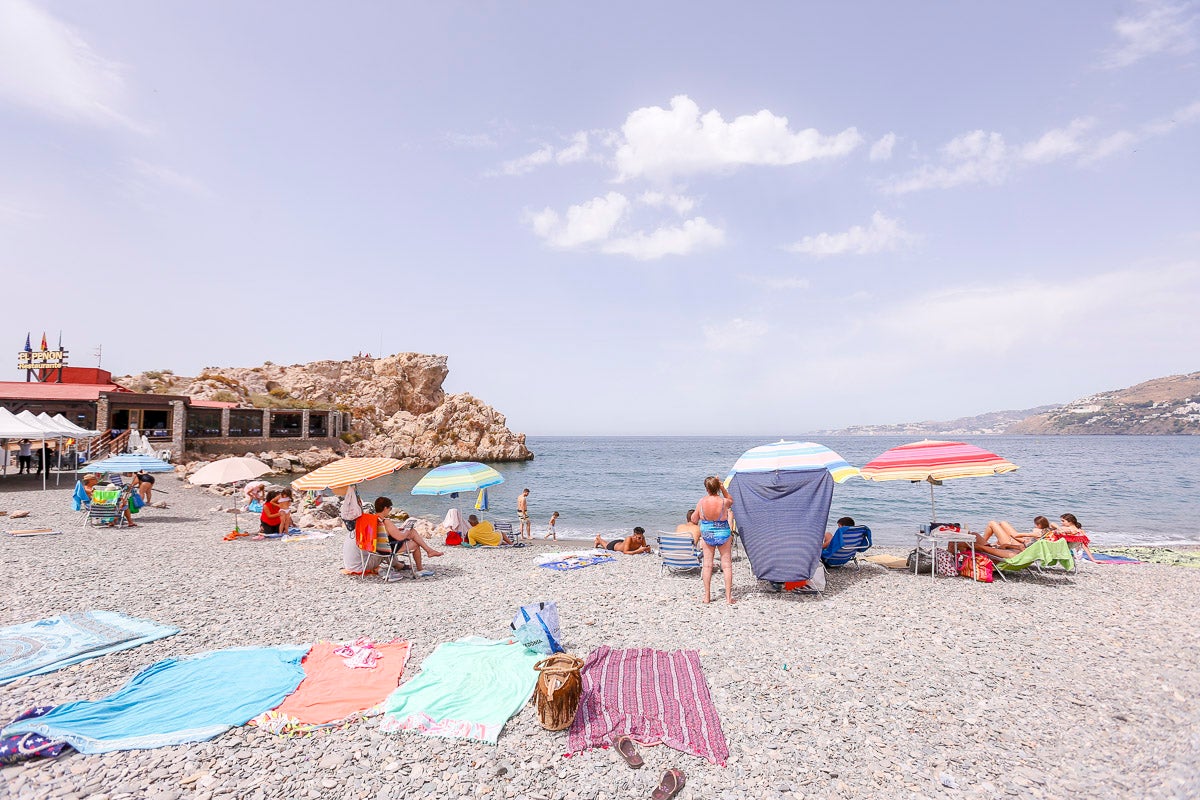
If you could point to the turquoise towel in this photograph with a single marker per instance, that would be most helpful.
(466, 690)
(79, 500)
(176, 701)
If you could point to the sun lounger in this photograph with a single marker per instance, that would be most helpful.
(1041, 555)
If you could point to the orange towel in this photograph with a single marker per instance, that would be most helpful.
(332, 691)
(366, 530)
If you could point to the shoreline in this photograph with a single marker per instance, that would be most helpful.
(880, 688)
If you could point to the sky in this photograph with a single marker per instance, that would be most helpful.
(618, 218)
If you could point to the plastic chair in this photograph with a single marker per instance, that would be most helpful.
(846, 544)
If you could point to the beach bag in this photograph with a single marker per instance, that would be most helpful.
(351, 507)
(559, 687)
(946, 564)
(453, 538)
(980, 569)
(921, 560)
(536, 626)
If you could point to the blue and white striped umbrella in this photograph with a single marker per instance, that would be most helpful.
(461, 476)
(794, 457)
(130, 462)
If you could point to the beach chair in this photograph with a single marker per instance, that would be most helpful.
(385, 548)
(846, 544)
(504, 529)
(677, 552)
(1041, 555)
(106, 506)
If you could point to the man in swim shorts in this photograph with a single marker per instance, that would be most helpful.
(525, 531)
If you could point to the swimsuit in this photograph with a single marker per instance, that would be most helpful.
(613, 544)
(715, 532)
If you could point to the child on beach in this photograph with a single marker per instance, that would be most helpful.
(276, 517)
(550, 534)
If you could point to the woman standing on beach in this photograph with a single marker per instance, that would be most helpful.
(712, 512)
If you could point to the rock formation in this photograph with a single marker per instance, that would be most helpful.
(398, 406)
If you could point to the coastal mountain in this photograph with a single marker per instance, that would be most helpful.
(981, 424)
(1169, 405)
(399, 407)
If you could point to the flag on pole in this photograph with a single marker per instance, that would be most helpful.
(44, 341)
(28, 346)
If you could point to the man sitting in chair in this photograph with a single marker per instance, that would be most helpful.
(844, 522)
(483, 533)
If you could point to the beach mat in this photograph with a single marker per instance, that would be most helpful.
(1109, 558)
(19, 534)
(577, 562)
(333, 691)
(466, 690)
(891, 562)
(176, 701)
(34, 648)
(651, 696)
(1158, 555)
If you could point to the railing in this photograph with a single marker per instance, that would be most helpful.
(106, 445)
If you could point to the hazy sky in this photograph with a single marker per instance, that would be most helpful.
(616, 217)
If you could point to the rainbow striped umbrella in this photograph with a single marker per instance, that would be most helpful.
(461, 476)
(794, 457)
(935, 462)
(346, 472)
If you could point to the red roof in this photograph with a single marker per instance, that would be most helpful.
(20, 390)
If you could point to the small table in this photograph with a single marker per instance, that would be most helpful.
(947, 533)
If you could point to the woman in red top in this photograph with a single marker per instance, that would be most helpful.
(1071, 531)
(275, 517)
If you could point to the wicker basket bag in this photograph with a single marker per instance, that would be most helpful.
(559, 687)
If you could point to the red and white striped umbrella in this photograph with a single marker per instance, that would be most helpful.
(934, 462)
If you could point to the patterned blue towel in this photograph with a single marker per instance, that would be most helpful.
(34, 648)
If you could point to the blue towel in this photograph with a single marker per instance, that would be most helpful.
(176, 701)
(34, 648)
(79, 500)
(781, 519)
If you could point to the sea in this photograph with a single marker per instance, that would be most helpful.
(1123, 489)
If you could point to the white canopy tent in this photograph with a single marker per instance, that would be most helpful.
(51, 430)
(14, 426)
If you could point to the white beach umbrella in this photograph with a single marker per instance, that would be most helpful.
(229, 470)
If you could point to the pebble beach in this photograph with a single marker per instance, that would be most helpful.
(889, 685)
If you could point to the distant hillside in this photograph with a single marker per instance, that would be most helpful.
(992, 422)
(1168, 405)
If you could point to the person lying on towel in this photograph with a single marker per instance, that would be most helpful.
(483, 533)
(631, 545)
(1008, 541)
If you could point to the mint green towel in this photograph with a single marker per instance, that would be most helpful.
(466, 690)
(1051, 554)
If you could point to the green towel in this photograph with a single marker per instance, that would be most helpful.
(1050, 554)
(466, 690)
(1159, 555)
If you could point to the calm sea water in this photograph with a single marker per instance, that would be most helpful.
(1124, 489)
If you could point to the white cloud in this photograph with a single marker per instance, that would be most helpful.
(472, 141)
(576, 151)
(678, 240)
(46, 66)
(1160, 28)
(882, 149)
(882, 235)
(677, 202)
(976, 157)
(1125, 140)
(778, 284)
(734, 336)
(1057, 143)
(169, 178)
(659, 143)
(527, 163)
(586, 223)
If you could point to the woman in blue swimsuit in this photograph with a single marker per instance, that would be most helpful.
(712, 512)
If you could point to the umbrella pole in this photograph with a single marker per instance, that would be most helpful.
(932, 506)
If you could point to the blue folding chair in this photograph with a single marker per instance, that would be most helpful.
(845, 546)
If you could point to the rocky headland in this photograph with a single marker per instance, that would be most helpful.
(397, 402)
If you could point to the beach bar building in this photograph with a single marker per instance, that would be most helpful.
(89, 398)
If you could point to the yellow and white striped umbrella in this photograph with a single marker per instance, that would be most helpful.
(346, 472)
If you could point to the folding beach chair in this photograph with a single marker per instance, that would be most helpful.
(504, 529)
(846, 544)
(107, 506)
(677, 552)
(1041, 555)
(385, 548)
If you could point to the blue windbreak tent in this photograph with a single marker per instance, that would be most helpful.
(781, 519)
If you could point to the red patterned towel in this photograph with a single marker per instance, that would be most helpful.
(650, 695)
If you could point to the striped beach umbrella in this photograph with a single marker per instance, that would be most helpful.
(461, 476)
(935, 462)
(794, 457)
(346, 472)
(130, 462)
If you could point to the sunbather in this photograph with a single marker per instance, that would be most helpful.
(406, 538)
(483, 533)
(690, 527)
(630, 545)
(1071, 531)
(1009, 541)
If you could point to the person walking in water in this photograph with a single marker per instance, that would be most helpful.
(526, 530)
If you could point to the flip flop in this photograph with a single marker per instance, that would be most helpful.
(672, 781)
(628, 751)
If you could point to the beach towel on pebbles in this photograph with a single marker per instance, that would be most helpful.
(466, 690)
(34, 648)
(652, 696)
(176, 701)
(340, 685)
